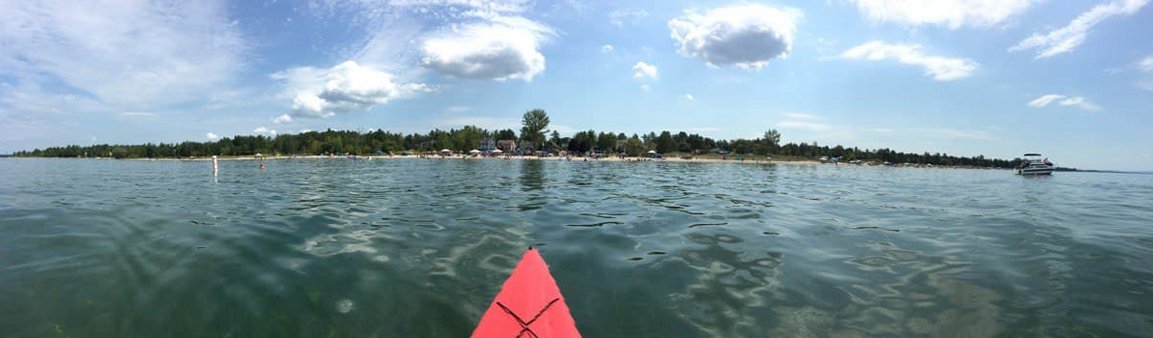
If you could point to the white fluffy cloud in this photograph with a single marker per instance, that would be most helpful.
(689, 97)
(264, 131)
(643, 70)
(939, 67)
(607, 48)
(282, 119)
(495, 47)
(130, 54)
(212, 136)
(746, 36)
(1074, 101)
(949, 13)
(347, 87)
(1066, 39)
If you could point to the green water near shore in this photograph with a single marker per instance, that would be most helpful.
(417, 248)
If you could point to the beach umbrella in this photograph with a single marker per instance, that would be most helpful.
(652, 151)
(445, 151)
(474, 151)
(497, 151)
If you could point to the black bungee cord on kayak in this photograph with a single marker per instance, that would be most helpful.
(524, 325)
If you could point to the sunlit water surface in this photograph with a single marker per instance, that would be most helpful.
(418, 248)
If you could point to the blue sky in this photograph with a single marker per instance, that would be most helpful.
(1070, 79)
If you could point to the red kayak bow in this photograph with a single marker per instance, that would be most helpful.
(528, 305)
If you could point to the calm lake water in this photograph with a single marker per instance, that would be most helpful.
(418, 248)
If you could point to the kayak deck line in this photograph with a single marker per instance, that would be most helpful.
(529, 290)
(524, 325)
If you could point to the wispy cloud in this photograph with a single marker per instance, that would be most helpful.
(1145, 85)
(137, 114)
(1045, 100)
(689, 97)
(802, 116)
(963, 134)
(125, 54)
(488, 5)
(880, 130)
(606, 48)
(939, 67)
(457, 109)
(620, 17)
(212, 136)
(810, 126)
(1062, 100)
(486, 122)
(746, 36)
(30, 102)
(950, 13)
(1146, 64)
(282, 119)
(1079, 102)
(1068, 38)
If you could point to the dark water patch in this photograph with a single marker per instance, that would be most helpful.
(694, 225)
(593, 225)
(875, 228)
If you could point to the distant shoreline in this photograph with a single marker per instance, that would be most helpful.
(458, 157)
(786, 161)
(438, 157)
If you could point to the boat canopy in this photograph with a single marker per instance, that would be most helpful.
(1032, 154)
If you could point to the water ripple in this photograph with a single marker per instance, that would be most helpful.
(418, 247)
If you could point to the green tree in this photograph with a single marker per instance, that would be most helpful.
(507, 134)
(606, 143)
(582, 142)
(555, 139)
(535, 123)
(634, 146)
(772, 140)
(665, 143)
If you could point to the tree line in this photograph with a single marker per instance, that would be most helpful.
(534, 136)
